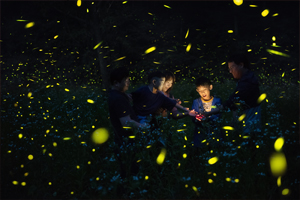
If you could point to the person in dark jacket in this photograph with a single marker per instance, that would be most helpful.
(246, 94)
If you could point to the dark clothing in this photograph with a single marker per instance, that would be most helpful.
(146, 103)
(247, 90)
(119, 106)
(203, 132)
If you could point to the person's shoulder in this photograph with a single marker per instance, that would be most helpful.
(116, 95)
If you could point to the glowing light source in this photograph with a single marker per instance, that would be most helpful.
(279, 181)
(184, 155)
(187, 33)
(95, 47)
(90, 101)
(210, 181)
(78, 3)
(278, 144)
(277, 53)
(100, 135)
(265, 13)
(238, 2)
(213, 160)
(124, 2)
(285, 191)
(150, 50)
(261, 97)
(29, 25)
(278, 164)
(146, 177)
(120, 58)
(161, 157)
(242, 117)
(167, 6)
(230, 31)
(228, 128)
(30, 157)
(188, 48)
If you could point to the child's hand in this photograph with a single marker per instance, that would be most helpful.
(200, 117)
(178, 101)
(193, 113)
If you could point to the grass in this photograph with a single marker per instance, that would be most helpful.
(77, 168)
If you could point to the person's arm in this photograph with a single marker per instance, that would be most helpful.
(125, 121)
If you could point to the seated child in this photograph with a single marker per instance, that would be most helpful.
(205, 103)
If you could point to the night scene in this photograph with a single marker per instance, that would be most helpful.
(150, 99)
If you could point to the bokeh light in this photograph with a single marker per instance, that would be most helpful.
(100, 135)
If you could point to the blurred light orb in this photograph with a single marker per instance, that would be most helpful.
(30, 157)
(29, 25)
(213, 160)
(278, 164)
(161, 157)
(265, 13)
(278, 144)
(261, 97)
(238, 2)
(279, 181)
(285, 191)
(100, 135)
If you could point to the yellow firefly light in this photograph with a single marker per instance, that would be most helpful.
(279, 181)
(187, 33)
(120, 58)
(161, 157)
(261, 97)
(213, 160)
(278, 144)
(124, 2)
(242, 117)
(90, 101)
(273, 38)
(184, 155)
(230, 31)
(78, 3)
(285, 191)
(150, 50)
(265, 13)
(238, 2)
(167, 6)
(278, 164)
(30, 157)
(277, 53)
(55, 36)
(29, 25)
(100, 135)
(95, 47)
(228, 128)
(188, 48)
(282, 74)
(210, 181)
(29, 94)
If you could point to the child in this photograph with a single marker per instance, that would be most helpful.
(205, 103)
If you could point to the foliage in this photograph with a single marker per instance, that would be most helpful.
(91, 171)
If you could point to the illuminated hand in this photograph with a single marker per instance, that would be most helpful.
(178, 101)
(193, 113)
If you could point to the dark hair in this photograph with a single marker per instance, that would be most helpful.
(169, 75)
(202, 81)
(118, 75)
(157, 74)
(238, 59)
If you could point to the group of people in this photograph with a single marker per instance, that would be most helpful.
(139, 108)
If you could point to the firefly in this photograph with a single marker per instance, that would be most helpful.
(161, 157)
(100, 135)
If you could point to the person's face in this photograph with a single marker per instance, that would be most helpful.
(167, 85)
(159, 83)
(204, 91)
(235, 70)
(124, 85)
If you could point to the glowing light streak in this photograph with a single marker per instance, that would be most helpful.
(253, 6)
(238, 2)
(278, 164)
(131, 136)
(29, 25)
(124, 2)
(90, 101)
(242, 117)
(265, 13)
(120, 58)
(282, 74)
(228, 128)
(78, 3)
(67, 90)
(66, 138)
(21, 20)
(275, 15)
(188, 48)
(278, 144)
(150, 13)
(277, 53)
(100, 135)
(187, 33)
(261, 98)
(213, 160)
(95, 47)
(161, 157)
(167, 6)
(55, 36)
(230, 31)
(279, 181)
(150, 50)
(179, 130)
